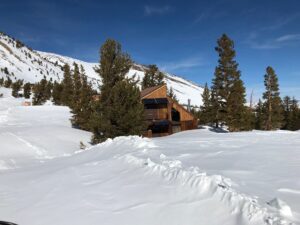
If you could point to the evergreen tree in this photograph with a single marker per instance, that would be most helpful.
(295, 115)
(205, 108)
(249, 119)
(227, 91)
(119, 110)
(172, 95)
(287, 114)
(153, 77)
(272, 105)
(27, 90)
(48, 88)
(16, 87)
(83, 110)
(7, 82)
(68, 87)
(259, 113)
(238, 117)
(77, 86)
(57, 93)
(1, 81)
(40, 95)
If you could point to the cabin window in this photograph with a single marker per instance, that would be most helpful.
(175, 115)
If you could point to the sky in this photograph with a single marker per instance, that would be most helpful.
(179, 36)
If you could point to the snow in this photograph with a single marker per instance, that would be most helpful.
(35, 132)
(193, 177)
(39, 64)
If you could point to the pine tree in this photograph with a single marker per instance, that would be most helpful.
(249, 119)
(119, 111)
(259, 113)
(153, 77)
(238, 118)
(227, 91)
(68, 87)
(287, 114)
(57, 93)
(7, 82)
(206, 108)
(295, 115)
(40, 92)
(27, 90)
(83, 110)
(128, 110)
(16, 87)
(48, 88)
(172, 95)
(272, 105)
(1, 81)
(77, 86)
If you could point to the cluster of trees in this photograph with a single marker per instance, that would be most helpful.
(76, 92)
(16, 87)
(118, 110)
(224, 102)
(6, 82)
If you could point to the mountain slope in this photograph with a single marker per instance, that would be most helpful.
(24, 63)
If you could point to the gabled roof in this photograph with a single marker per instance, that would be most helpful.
(149, 90)
(180, 106)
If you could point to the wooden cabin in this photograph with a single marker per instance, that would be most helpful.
(165, 116)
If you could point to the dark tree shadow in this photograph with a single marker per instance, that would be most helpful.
(218, 130)
(6, 223)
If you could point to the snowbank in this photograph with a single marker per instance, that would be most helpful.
(194, 177)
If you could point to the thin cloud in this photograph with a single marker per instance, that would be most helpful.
(275, 43)
(210, 15)
(182, 64)
(282, 22)
(288, 37)
(150, 10)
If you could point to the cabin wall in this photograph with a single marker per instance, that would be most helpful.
(184, 114)
(156, 114)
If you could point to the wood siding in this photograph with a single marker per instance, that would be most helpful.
(156, 114)
(184, 114)
(158, 93)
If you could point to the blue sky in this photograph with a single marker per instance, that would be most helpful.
(178, 36)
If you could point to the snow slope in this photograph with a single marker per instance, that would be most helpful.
(34, 133)
(32, 66)
(195, 177)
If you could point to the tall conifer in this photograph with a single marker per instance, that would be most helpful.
(272, 105)
(259, 112)
(119, 111)
(227, 91)
(206, 108)
(27, 90)
(68, 87)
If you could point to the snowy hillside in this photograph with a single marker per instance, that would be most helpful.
(30, 65)
(196, 177)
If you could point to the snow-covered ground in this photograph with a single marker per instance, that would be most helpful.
(195, 177)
